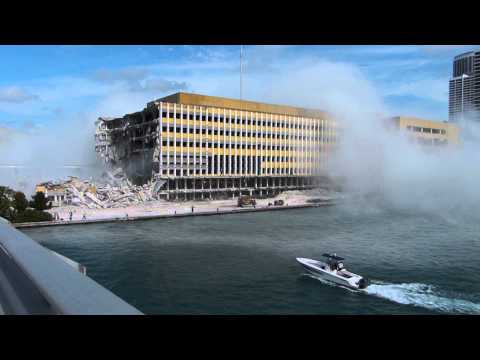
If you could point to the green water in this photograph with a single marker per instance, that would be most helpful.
(245, 263)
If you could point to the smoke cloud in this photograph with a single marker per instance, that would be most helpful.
(60, 148)
(380, 166)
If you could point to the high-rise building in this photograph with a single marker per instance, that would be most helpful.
(464, 88)
(197, 146)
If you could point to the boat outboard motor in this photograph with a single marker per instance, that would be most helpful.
(363, 283)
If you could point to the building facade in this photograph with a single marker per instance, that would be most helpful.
(428, 132)
(464, 88)
(198, 146)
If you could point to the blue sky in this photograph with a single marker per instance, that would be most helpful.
(43, 84)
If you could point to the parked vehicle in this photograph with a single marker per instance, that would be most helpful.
(246, 200)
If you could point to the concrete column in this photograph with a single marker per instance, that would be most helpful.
(188, 141)
(235, 158)
(200, 148)
(168, 189)
(231, 151)
(224, 129)
(175, 140)
(160, 139)
(168, 140)
(181, 140)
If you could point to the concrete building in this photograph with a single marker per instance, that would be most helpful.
(198, 146)
(55, 194)
(464, 88)
(428, 132)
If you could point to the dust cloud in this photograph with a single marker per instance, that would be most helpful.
(379, 165)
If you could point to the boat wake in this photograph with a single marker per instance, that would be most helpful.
(422, 295)
(416, 294)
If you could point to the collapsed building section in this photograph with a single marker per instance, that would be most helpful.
(193, 147)
(113, 190)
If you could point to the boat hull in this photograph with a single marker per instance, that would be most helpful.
(315, 268)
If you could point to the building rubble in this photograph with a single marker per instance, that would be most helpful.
(112, 190)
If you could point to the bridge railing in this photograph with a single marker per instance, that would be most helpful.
(35, 281)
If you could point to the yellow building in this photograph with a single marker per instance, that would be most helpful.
(197, 144)
(428, 132)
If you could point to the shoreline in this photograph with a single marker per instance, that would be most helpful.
(218, 211)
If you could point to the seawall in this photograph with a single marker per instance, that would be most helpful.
(175, 215)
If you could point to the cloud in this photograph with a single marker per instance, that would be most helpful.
(127, 74)
(434, 49)
(158, 84)
(15, 94)
(431, 89)
(138, 79)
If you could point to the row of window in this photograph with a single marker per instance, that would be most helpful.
(280, 123)
(187, 172)
(238, 133)
(282, 159)
(228, 146)
(426, 130)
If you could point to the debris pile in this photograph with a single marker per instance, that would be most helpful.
(113, 190)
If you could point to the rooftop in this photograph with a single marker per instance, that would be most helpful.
(236, 104)
(464, 55)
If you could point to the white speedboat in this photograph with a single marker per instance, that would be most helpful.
(333, 270)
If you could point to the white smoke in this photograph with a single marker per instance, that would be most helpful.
(62, 147)
(376, 162)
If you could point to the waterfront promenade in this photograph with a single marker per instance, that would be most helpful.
(172, 214)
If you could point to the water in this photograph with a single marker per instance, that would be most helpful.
(245, 263)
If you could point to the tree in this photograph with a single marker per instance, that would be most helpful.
(6, 205)
(30, 215)
(39, 201)
(20, 202)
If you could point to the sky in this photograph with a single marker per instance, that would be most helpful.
(45, 85)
